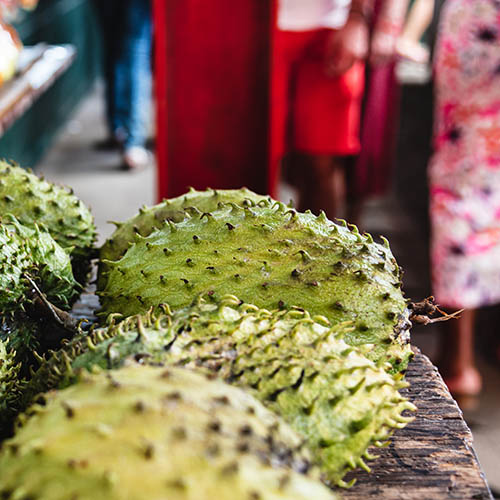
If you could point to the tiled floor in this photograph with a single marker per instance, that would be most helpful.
(116, 195)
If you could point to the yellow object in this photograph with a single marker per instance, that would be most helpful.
(10, 48)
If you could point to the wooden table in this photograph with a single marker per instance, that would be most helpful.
(40, 67)
(432, 458)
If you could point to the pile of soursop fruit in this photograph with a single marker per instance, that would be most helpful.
(243, 350)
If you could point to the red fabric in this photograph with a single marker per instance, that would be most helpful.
(373, 171)
(160, 90)
(374, 167)
(311, 112)
(213, 120)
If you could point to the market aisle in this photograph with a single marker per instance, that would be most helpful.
(95, 176)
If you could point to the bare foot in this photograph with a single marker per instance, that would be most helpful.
(414, 51)
(466, 383)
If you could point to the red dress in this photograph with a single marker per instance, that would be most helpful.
(310, 111)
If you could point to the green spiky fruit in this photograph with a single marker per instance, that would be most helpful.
(27, 254)
(273, 257)
(19, 332)
(150, 218)
(147, 432)
(34, 253)
(11, 383)
(34, 200)
(299, 366)
(18, 341)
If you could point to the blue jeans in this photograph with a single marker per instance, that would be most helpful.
(127, 30)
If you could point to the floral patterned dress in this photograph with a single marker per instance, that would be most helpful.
(464, 172)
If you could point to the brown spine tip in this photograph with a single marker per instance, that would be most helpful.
(230, 469)
(174, 396)
(68, 409)
(140, 407)
(246, 430)
(149, 451)
(222, 400)
(214, 426)
(177, 484)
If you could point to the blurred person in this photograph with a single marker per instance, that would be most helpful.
(464, 176)
(127, 33)
(319, 61)
(419, 18)
(318, 76)
(371, 172)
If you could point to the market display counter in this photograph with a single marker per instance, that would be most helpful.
(431, 458)
(40, 67)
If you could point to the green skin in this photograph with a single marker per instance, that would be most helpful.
(11, 383)
(150, 218)
(20, 334)
(150, 432)
(18, 341)
(26, 252)
(35, 201)
(328, 391)
(273, 257)
(32, 252)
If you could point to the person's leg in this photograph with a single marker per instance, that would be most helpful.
(326, 119)
(457, 364)
(353, 201)
(320, 182)
(111, 15)
(287, 48)
(137, 53)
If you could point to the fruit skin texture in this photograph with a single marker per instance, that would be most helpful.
(150, 432)
(298, 366)
(272, 257)
(35, 201)
(150, 218)
(11, 383)
(32, 252)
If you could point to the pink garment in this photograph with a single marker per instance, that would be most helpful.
(373, 167)
(464, 173)
(378, 132)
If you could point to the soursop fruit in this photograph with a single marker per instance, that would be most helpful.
(273, 257)
(150, 432)
(34, 253)
(28, 257)
(35, 201)
(150, 218)
(299, 366)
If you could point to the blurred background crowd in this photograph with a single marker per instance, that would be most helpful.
(383, 112)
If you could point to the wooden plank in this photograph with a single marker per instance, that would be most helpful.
(431, 458)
